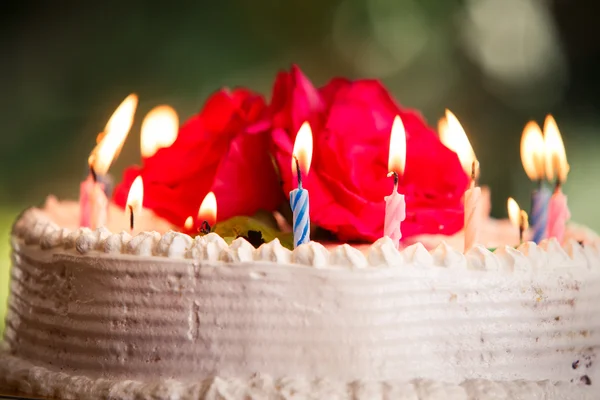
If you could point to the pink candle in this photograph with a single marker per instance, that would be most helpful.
(93, 204)
(395, 213)
(558, 215)
(93, 201)
(556, 166)
(395, 206)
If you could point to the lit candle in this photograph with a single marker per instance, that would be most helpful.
(533, 155)
(93, 201)
(395, 206)
(207, 214)
(454, 137)
(517, 217)
(159, 130)
(135, 199)
(556, 165)
(301, 159)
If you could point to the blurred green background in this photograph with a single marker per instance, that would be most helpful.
(495, 63)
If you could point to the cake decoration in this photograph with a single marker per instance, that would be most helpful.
(556, 166)
(517, 217)
(395, 206)
(93, 198)
(302, 155)
(533, 157)
(351, 123)
(454, 137)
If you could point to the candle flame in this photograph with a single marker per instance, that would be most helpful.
(303, 149)
(114, 135)
(159, 129)
(442, 127)
(454, 137)
(208, 209)
(397, 152)
(514, 212)
(135, 198)
(533, 151)
(189, 223)
(556, 157)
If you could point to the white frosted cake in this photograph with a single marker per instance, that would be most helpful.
(162, 315)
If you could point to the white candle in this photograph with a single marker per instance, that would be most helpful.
(454, 137)
(517, 217)
(472, 215)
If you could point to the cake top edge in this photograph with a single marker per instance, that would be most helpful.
(34, 227)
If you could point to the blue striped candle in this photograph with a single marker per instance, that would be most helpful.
(539, 212)
(301, 221)
(299, 197)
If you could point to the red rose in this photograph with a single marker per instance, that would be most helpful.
(351, 124)
(223, 149)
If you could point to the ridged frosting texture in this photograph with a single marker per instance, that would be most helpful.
(120, 311)
(158, 316)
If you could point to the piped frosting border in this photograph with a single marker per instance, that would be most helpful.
(34, 227)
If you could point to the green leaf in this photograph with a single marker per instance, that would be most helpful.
(240, 225)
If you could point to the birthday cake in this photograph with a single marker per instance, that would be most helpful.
(161, 306)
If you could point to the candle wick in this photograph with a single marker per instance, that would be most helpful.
(557, 185)
(93, 174)
(131, 218)
(540, 183)
(298, 173)
(396, 179)
(205, 228)
(474, 173)
(521, 231)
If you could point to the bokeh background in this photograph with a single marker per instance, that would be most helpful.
(495, 63)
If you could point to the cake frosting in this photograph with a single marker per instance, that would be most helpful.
(159, 314)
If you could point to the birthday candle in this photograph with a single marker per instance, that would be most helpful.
(556, 164)
(300, 210)
(301, 159)
(517, 217)
(539, 212)
(454, 137)
(93, 200)
(472, 216)
(395, 213)
(93, 203)
(395, 206)
(533, 156)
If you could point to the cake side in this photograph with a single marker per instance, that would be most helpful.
(134, 315)
(111, 310)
